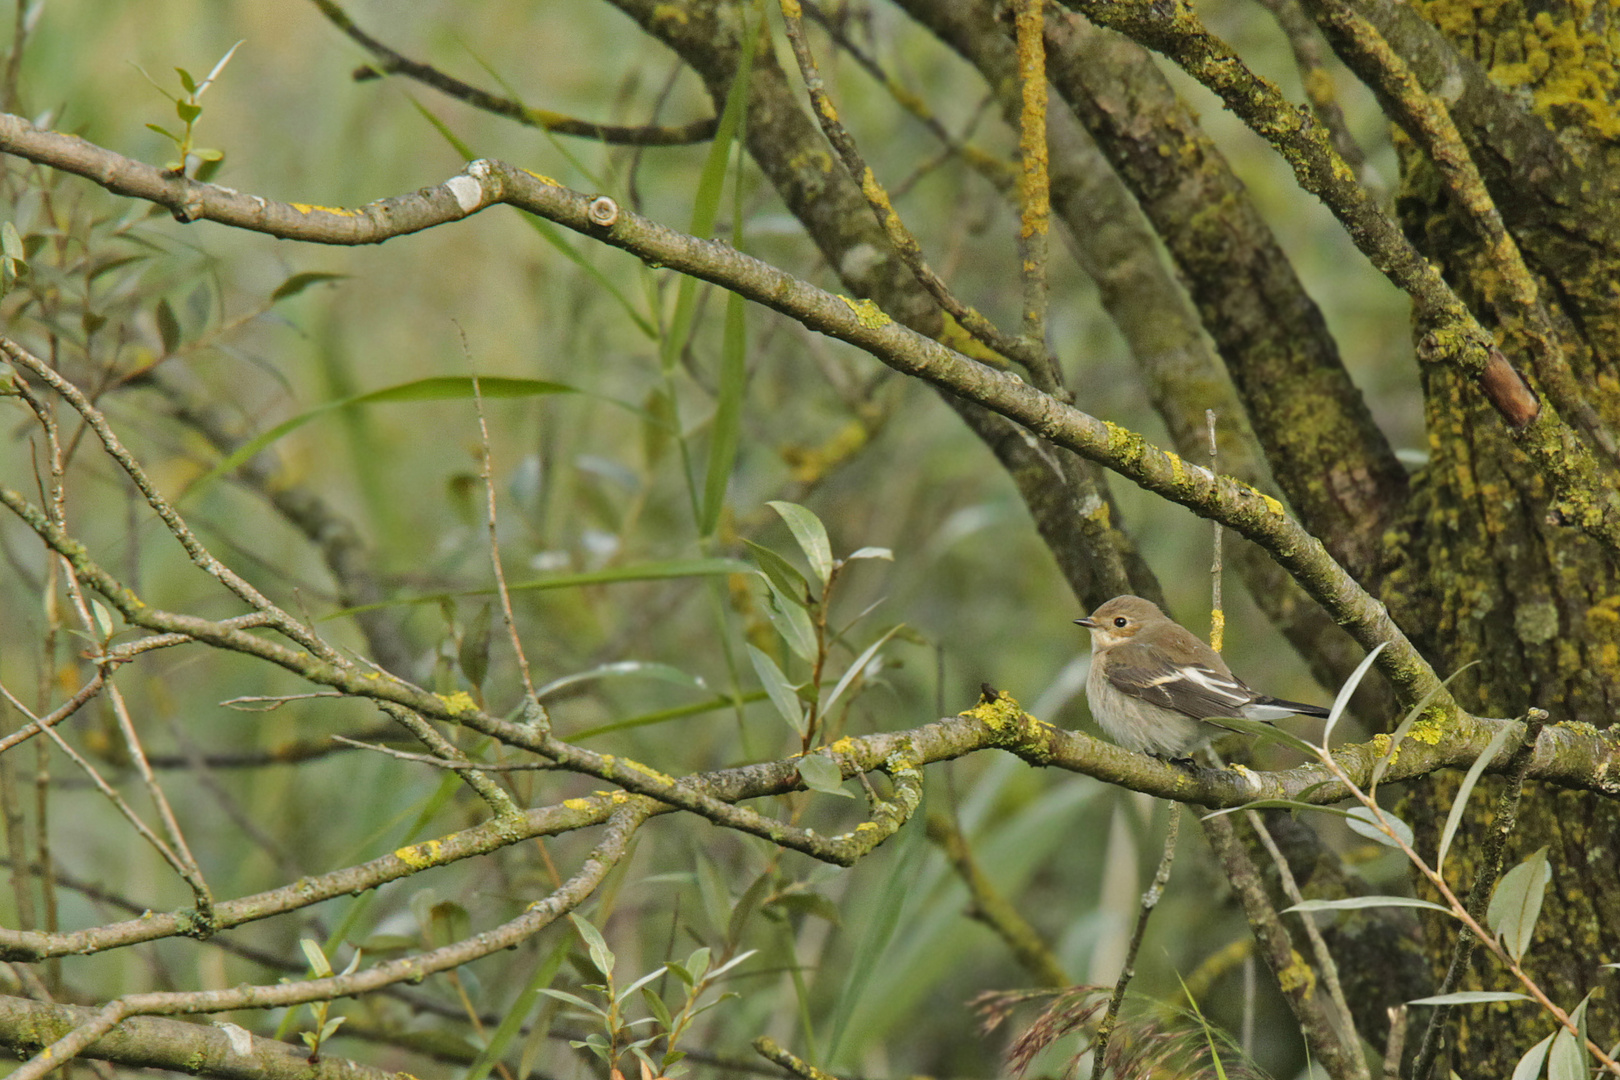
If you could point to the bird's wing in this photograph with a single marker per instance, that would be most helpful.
(1190, 689)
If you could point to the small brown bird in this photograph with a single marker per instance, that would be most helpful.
(1157, 688)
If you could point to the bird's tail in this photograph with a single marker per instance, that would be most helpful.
(1261, 709)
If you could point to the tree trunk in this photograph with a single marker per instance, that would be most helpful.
(1491, 571)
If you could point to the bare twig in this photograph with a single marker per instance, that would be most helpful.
(1150, 900)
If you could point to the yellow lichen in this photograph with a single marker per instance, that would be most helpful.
(419, 856)
(459, 703)
(868, 313)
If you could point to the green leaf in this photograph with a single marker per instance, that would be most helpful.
(811, 535)
(776, 685)
(1567, 1061)
(462, 149)
(213, 72)
(574, 1000)
(664, 716)
(623, 669)
(299, 282)
(1529, 1066)
(870, 952)
(1353, 903)
(166, 133)
(187, 111)
(854, 669)
(319, 966)
(1516, 903)
(168, 326)
(657, 570)
(1362, 820)
(781, 573)
(821, 773)
(11, 245)
(474, 652)
(435, 388)
(102, 617)
(186, 80)
(871, 553)
(808, 903)
(601, 955)
(1406, 723)
(1458, 803)
(792, 622)
(697, 964)
(554, 236)
(656, 1006)
(1264, 731)
(727, 427)
(1471, 997)
(1342, 700)
(746, 906)
(706, 201)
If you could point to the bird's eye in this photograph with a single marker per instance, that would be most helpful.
(1121, 621)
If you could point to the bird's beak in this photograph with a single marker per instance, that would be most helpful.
(1088, 622)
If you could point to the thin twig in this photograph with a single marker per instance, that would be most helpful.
(1325, 964)
(491, 521)
(394, 63)
(1462, 914)
(202, 895)
(1479, 893)
(175, 862)
(446, 763)
(1036, 361)
(1150, 900)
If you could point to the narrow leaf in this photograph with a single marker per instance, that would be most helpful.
(573, 999)
(657, 570)
(706, 201)
(781, 573)
(1342, 701)
(793, 623)
(821, 773)
(299, 282)
(319, 965)
(1567, 1061)
(436, 388)
(219, 67)
(1405, 726)
(727, 428)
(811, 535)
(168, 326)
(624, 669)
(871, 553)
(1516, 903)
(601, 955)
(1471, 997)
(1529, 1066)
(781, 692)
(1360, 819)
(884, 920)
(856, 668)
(1454, 818)
(1353, 903)
(1264, 731)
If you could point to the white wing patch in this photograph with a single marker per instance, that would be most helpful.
(1210, 682)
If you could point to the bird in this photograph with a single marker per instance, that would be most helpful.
(1157, 688)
